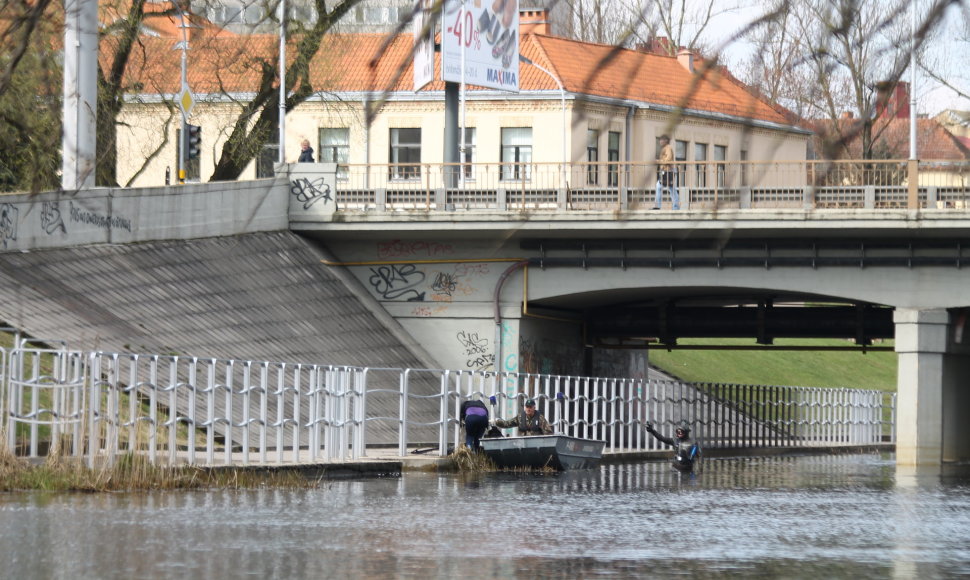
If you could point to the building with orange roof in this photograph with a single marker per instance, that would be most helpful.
(582, 101)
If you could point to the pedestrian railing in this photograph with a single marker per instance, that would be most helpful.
(200, 411)
(848, 184)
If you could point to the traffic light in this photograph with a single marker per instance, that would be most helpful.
(193, 141)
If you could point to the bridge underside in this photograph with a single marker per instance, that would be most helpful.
(631, 318)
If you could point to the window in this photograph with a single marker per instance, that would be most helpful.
(613, 156)
(700, 164)
(193, 167)
(405, 154)
(593, 156)
(335, 148)
(468, 158)
(269, 155)
(516, 153)
(680, 154)
(720, 155)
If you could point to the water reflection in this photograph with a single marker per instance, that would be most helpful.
(790, 517)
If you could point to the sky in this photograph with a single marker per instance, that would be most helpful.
(932, 98)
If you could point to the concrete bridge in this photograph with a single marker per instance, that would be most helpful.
(523, 282)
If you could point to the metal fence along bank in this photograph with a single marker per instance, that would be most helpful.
(186, 410)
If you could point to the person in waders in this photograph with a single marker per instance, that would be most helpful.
(686, 452)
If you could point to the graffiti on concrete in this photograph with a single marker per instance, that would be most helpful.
(476, 349)
(310, 192)
(426, 311)
(449, 285)
(8, 223)
(397, 282)
(445, 283)
(508, 342)
(50, 218)
(402, 249)
(105, 222)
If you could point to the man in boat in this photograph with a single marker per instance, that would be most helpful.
(529, 421)
(474, 416)
(686, 451)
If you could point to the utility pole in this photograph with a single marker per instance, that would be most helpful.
(79, 142)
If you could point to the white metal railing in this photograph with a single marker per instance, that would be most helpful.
(189, 410)
(871, 184)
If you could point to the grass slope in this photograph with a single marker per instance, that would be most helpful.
(873, 370)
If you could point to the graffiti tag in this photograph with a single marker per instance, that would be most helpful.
(50, 218)
(8, 223)
(402, 249)
(396, 282)
(310, 192)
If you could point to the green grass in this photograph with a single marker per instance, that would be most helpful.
(873, 370)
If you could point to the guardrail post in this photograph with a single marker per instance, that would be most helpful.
(501, 199)
(443, 416)
(932, 196)
(808, 197)
(380, 199)
(913, 182)
(440, 198)
(745, 197)
(869, 197)
(562, 200)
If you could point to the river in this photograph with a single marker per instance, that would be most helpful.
(838, 516)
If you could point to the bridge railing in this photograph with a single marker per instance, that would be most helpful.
(188, 410)
(870, 184)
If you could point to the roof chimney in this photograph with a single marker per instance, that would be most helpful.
(534, 22)
(686, 59)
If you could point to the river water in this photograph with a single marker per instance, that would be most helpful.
(847, 516)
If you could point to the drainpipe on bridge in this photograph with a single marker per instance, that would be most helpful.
(499, 365)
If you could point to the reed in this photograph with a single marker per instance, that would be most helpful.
(468, 462)
(134, 473)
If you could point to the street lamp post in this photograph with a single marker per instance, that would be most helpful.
(184, 45)
(562, 96)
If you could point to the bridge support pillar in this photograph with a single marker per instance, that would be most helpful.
(932, 399)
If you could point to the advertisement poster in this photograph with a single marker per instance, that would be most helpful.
(484, 36)
(423, 43)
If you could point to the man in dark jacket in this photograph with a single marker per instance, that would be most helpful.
(529, 422)
(474, 416)
(686, 451)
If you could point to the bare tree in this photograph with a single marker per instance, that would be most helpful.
(948, 68)
(832, 59)
(260, 116)
(30, 98)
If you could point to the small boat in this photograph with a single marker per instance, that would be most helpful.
(559, 452)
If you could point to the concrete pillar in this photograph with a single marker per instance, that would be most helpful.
(921, 339)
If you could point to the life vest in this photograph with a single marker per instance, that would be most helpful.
(525, 428)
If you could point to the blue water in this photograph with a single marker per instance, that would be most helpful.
(849, 516)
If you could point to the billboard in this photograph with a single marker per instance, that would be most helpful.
(481, 37)
(423, 43)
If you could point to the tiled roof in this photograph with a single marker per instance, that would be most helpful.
(376, 63)
(891, 139)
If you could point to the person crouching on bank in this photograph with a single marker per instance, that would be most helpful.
(474, 416)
